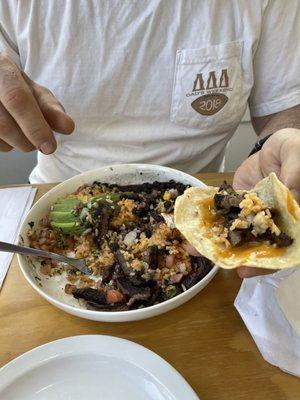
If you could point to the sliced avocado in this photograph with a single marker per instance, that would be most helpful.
(69, 203)
(115, 197)
(71, 228)
(62, 216)
(60, 207)
(66, 204)
(69, 200)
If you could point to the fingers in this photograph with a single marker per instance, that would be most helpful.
(249, 272)
(248, 174)
(11, 134)
(4, 147)
(280, 154)
(53, 111)
(28, 112)
(290, 167)
(19, 101)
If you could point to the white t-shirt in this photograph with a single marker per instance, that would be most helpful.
(164, 82)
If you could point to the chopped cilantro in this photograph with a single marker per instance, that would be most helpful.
(171, 291)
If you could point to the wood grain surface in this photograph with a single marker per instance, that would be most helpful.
(204, 339)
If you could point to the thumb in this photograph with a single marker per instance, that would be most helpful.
(56, 116)
(248, 173)
(52, 109)
(290, 169)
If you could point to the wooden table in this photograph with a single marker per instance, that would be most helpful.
(205, 339)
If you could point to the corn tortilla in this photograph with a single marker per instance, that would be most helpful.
(190, 220)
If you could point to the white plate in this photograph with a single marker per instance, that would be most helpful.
(53, 289)
(92, 367)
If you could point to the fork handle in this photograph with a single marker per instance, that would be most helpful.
(28, 251)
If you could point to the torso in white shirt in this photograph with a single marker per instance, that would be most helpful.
(164, 82)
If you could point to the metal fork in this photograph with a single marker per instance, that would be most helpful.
(79, 264)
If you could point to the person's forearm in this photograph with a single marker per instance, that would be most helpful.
(269, 124)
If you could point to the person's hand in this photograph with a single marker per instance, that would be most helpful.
(28, 112)
(280, 154)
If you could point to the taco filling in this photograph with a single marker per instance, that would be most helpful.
(243, 218)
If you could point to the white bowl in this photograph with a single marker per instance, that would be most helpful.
(52, 289)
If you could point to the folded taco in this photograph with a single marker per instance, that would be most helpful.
(259, 228)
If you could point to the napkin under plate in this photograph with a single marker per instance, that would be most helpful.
(14, 205)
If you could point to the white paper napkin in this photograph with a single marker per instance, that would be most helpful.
(275, 337)
(14, 205)
(288, 297)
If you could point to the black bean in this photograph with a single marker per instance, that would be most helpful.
(130, 196)
(139, 212)
(148, 233)
(156, 217)
(168, 206)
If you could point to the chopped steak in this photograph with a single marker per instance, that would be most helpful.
(120, 258)
(226, 202)
(151, 256)
(138, 297)
(246, 219)
(156, 293)
(238, 237)
(201, 267)
(201, 263)
(282, 240)
(130, 290)
(89, 294)
(100, 218)
(193, 278)
(227, 199)
(107, 273)
(226, 187)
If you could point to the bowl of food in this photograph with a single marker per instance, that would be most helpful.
(120, 220)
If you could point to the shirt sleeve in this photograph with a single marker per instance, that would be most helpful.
(8, 39)
(276, 64)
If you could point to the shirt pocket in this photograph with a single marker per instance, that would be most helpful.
(207, 89)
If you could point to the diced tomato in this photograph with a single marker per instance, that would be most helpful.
(114, 296)
(170, 258)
